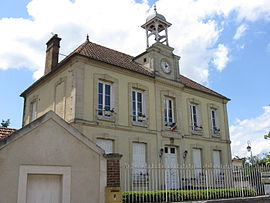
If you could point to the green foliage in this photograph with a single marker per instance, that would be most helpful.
(184, 195)
(267, 136)
(5, 123)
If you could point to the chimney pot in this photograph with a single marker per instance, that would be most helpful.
(52, 53)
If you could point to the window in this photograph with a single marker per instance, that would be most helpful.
(33, 110)
(195, 118)
(139, 162)
(197, 162)
(106, 145)
(138, 112)
(105, 99)
(214, 122)
(216, 162)
(168, 112)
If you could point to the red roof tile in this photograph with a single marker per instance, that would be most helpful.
(119, 59)
(194, 85)
(113, 57)
(110, 56)
(5, 132)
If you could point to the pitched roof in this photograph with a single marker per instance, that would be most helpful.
(5, 132)
(97, 52)
(194, 85)
(110, 56)
(40, 121)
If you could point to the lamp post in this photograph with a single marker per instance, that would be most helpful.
(249, 150)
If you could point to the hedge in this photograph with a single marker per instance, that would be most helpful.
(184, 195)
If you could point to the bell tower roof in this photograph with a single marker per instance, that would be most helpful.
(156, 25)
(155, 15)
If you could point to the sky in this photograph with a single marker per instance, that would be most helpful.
(224, 45)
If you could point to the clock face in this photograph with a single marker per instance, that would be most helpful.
(165, 66)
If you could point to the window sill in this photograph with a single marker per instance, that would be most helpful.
(216, 135)
(197, 132)
(106, 118)
(140, 124)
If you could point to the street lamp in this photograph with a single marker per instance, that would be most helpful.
(249, 150)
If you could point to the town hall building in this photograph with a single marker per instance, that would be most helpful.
(141, 107)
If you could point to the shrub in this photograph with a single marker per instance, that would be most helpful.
(184, 195)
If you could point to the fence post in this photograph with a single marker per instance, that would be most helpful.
(113, 192)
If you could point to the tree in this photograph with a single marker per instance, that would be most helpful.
(267, 136)
(5, 124)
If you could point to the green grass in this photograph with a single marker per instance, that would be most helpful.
(184, 195)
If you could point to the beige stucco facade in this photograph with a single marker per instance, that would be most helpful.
(50, 146)
(71, 92)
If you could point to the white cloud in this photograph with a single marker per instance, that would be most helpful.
(252, 130)
(220, 58)
(194, 32)
(240, 31)
(268, 47)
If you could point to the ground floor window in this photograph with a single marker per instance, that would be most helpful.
(106, 145)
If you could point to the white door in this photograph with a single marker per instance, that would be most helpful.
(139, 162)
(171, 172)
(44, 189)
(216, 163)
(106, 145)
(197, 162)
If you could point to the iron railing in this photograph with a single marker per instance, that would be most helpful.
(156, 183)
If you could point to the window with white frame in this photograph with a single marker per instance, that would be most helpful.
(33, 110)
(214, 122)
(216, 162)
(168, 112)
(195, 117)
(138, 106)
(139, 163)
(105, 95)
(197, 161)
(106, 145)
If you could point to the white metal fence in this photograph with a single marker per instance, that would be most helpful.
(156, 183)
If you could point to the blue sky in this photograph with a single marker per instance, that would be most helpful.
(224, 45)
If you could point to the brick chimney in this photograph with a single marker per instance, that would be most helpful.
(52, 53)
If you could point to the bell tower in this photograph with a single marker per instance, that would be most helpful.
(158, 57)
(157, 26)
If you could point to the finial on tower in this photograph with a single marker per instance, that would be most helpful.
(155, 8)
(87, 37)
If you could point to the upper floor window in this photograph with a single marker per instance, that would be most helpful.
(105, 99)
(169, 112)
(195, 118)
(214, 122)
(138, 112)
(33, 110)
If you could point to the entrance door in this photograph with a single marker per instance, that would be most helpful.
(171, 172)
(44, 189)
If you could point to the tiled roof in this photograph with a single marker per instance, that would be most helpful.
(97, 52)
(110, 56)
(5, 132)
(194, 85)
